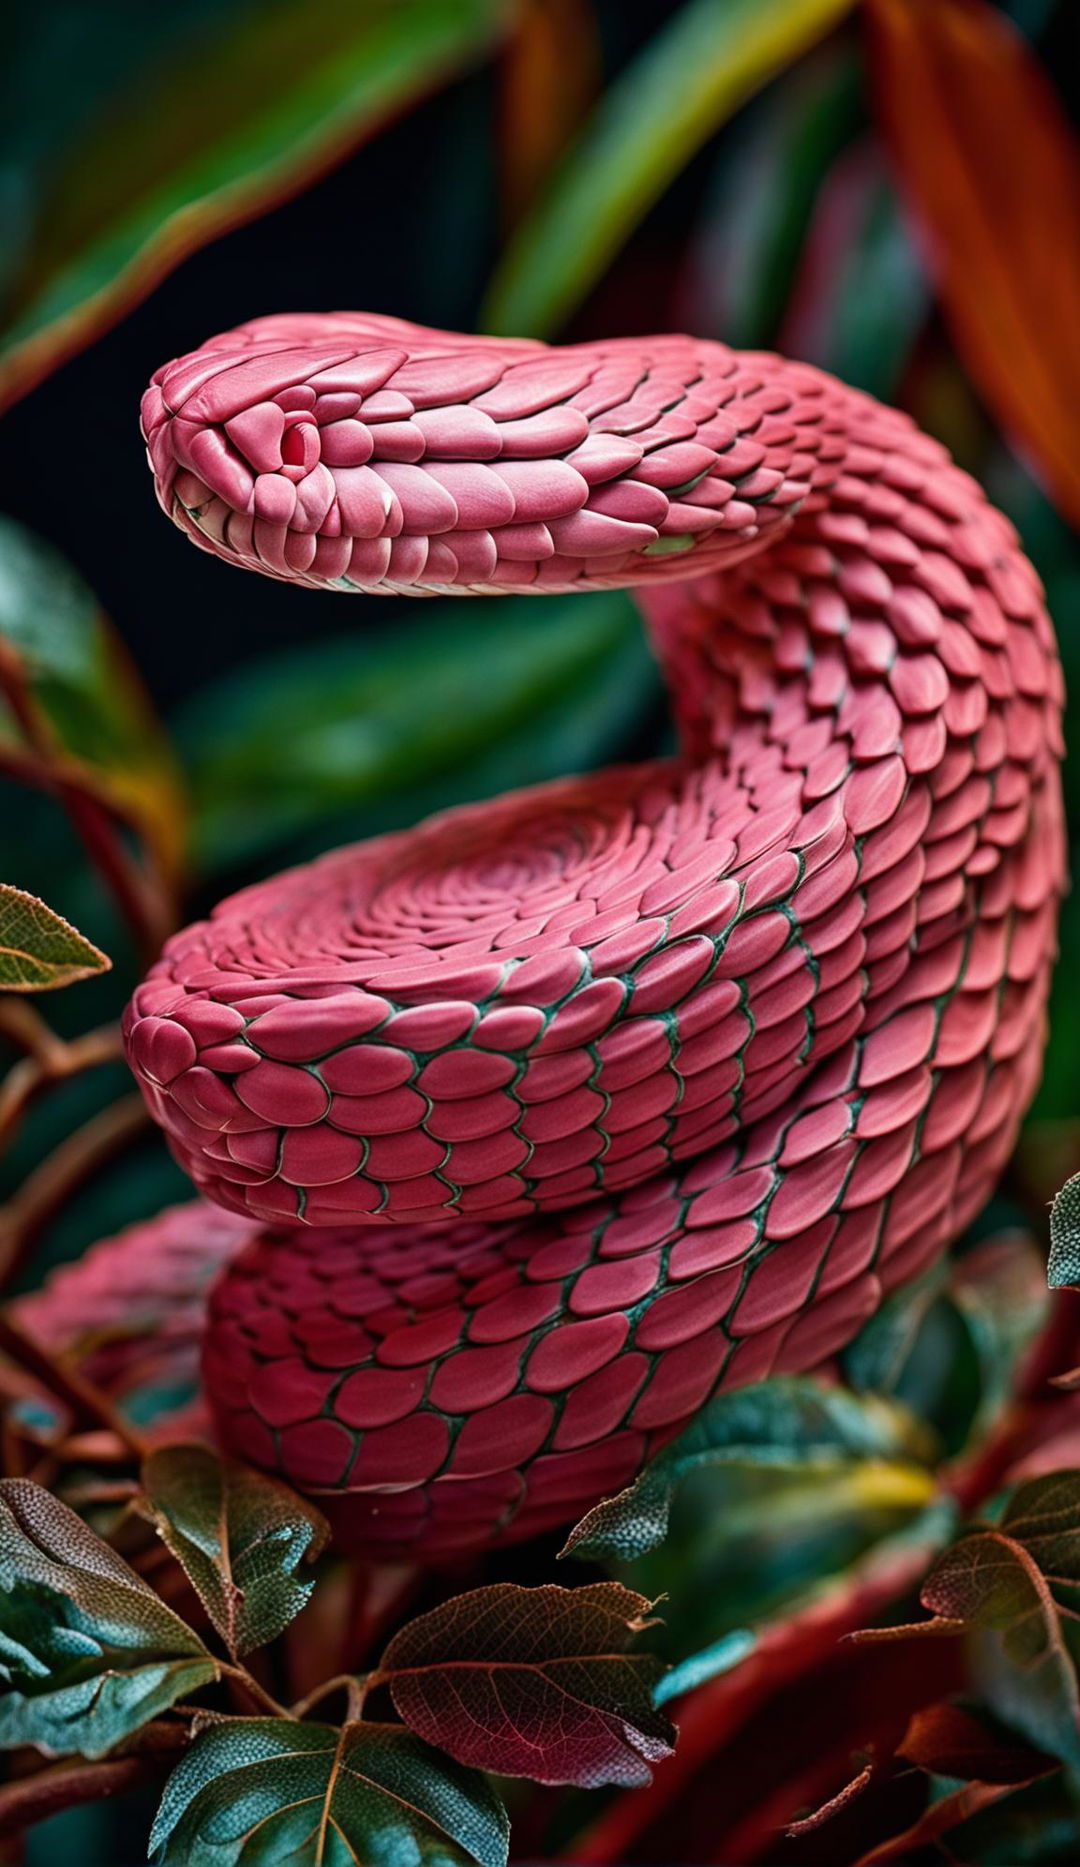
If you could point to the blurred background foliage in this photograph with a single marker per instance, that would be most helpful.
(888, 188)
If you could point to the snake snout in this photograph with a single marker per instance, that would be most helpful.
(366, 454)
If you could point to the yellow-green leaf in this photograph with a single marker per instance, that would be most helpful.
(39, 949)
(688, 80)
(207, 141)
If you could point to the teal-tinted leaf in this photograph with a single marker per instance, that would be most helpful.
(791, 1423)
(89, 1653)
(1064, 1266)
(240, 1538)
(679, 90)
(39, 949)
(81, 681)
(708, 1663)
(242, 115)
(266, 1791)
(537, 1682)
(369, 733)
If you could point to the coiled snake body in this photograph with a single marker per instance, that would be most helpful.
(555, 1114)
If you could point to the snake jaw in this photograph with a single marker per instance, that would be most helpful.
(367, 454)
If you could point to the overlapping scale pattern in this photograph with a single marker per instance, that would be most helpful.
(563, 1110)
(349, 453)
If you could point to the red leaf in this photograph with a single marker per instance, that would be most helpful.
(535, 1682)
(991, 167)
(945, 1740)
(937, 1820)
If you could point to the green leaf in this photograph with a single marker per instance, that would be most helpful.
(949, 1345)
(536, 1682)
(239, 1537)
(80, 680)
(1044, 1515)
(89, 1652)
(792, 1423)
(761, 195)
(209, 137)
(525, 689)
(1064, 1266)
(689, 79)
(264, 1791)
(39, 950)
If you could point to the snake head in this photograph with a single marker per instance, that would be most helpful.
(354, 452)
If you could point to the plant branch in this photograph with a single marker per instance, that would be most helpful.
(75, 1780)
(51, 1062)
(261, 1697)
(142, 900)
(84, 1400)
(64, 1785)
(79, 1156)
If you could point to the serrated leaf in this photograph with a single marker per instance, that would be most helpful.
(239, 1536)
(1044, 1515)
(990, 1587)
(536, 1682)
(691, 76)
(1063, 1268)
(40, 950)
(234, 120)
(565, 680)
(88, 1651)
(264, 1791)
(88, 693)
(794, 1423)
(991, 166)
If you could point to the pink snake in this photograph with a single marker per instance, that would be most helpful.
(555, 1114)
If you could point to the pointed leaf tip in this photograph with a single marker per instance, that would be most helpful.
(39, 949)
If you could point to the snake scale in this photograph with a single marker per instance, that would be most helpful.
(553, 1115)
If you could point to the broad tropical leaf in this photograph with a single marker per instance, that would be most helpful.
(564, 682)
(689, 79)
(537, 1682)
(991, 166)
(39, 949)
(263, 1791)
(210, 138)
(240, 1538)
(88, 1651)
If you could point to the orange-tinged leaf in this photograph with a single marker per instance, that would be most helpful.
(991, 168)
(550, 76)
